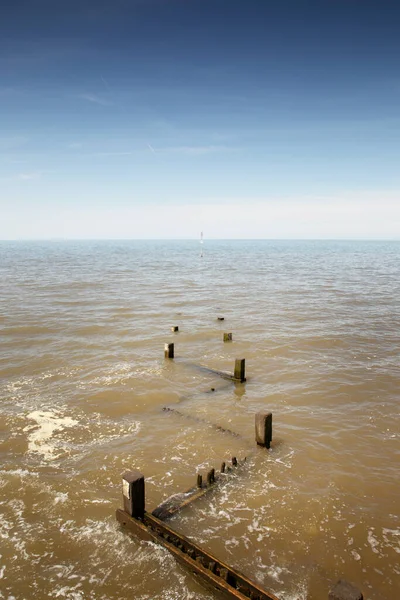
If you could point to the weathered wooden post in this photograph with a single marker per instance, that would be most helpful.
(199, 480)
(221, 318)
(169, 350)
(264, 429)
(133, 493)
(227, 337)
(211, 477)
(234, 461)
(239, 372)
(343, 590)
(174, 328)
(223, 467)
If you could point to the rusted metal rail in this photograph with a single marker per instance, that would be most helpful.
(213, 572)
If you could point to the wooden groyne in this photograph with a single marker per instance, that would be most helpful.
(213, 572)
(238, 371)
(179, 501)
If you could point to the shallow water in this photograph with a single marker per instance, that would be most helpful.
(83, 382)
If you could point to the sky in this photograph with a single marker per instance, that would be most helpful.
(164, 118)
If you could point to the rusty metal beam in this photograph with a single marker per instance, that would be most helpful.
(213, 572)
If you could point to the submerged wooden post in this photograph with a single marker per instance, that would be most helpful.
(264, 429)
(223, 467)
(199, 480)
(342, 590)
(227, 337)
(133, 493)
(239, 372)
(175, 328)
(169, 350)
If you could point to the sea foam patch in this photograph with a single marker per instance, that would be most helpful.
(40, 435)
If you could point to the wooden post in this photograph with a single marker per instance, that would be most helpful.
(211, 477)
(174, 328)
(234, 461)
(221, 318)
(227, 337)
(342, 590)
(264, 429)
(223, 467)
(169, 350)
(133, 493)
(239, 373)
(199, 480)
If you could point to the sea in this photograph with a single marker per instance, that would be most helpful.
(84, 384)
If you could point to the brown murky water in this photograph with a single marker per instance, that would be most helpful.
(83, 382)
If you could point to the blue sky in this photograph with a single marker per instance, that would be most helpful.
(162, 118)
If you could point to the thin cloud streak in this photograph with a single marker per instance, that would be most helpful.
(107, 154)
(94, 99)
(195, 150)
(105, 83)
(29, 176)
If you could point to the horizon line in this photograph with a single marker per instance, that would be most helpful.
(195, 239)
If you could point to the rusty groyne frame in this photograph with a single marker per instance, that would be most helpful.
(214, 573)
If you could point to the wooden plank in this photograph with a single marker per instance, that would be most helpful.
(210, 371)
(198, 420)
(212, 571)
(177, 502)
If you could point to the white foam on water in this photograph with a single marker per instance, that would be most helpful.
(40, 436)
(61, 498)
(275, 573)
(373, 542)
(392, 538)
(286, 460)
(19, 472)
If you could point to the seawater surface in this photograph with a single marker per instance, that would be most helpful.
(83, 382)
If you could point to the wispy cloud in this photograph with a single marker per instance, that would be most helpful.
(150, 147)
(11, 142)
(105, 84)
(75, 145)
(31, 175)
(195, 150)
(106, 154)
(94, 99)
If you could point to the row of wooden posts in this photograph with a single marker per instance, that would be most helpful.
(152, 527)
